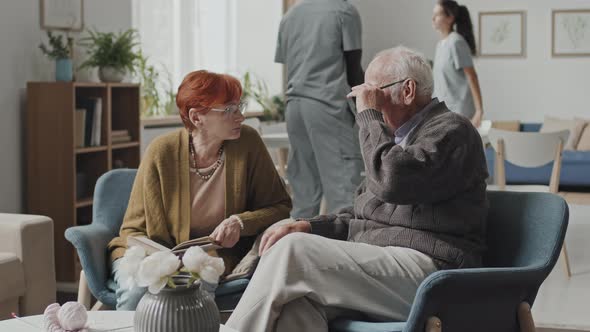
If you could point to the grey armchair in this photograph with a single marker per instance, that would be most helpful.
(525, 233)
(111, 196)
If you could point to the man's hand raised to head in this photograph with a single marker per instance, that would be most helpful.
(368, 96)
(274, 234)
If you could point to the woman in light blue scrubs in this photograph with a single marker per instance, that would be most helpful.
(455, 79)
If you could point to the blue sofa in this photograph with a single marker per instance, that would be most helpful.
(575, 168)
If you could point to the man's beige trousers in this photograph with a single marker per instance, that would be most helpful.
(305, 280)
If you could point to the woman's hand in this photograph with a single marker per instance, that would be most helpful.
(274, 234)
(227, 234)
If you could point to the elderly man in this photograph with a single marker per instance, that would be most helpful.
(421, 208)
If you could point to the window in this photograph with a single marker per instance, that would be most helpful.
(187, 35)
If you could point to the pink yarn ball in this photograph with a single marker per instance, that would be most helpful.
(72, 316)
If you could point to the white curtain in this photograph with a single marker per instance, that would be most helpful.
(188, 35)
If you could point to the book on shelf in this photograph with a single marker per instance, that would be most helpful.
(93, 120)
(97, 122)
(150, 246)
(120, 136)
(122, 132)
(80, 124)
(120, 139)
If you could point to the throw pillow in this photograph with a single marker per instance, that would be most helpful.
(575, 127)
(584, 142)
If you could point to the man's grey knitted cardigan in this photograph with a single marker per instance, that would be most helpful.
(429, 196)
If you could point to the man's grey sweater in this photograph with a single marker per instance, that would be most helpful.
(429, 196)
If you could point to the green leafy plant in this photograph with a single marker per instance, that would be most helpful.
(273, 107)
(157, 96)
(117, 50)
(58, 48)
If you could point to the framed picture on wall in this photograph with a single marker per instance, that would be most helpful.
(62, 14)
(502, 34)
(570, 32)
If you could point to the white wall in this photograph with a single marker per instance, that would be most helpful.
(388, 23)
(257, 26)
(514, 88)
(21, 61)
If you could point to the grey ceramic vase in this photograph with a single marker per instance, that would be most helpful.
(111, 74)
(179, 309)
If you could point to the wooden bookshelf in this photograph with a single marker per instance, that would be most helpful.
(55, 164)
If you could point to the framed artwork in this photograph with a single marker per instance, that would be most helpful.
(570, 32)
(62, 15)
(502, 34)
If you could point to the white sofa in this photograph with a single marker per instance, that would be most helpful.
(27, 269)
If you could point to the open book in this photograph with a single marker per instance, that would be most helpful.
(205, 242)
(244, 269)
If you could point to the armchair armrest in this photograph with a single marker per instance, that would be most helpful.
(30, 238)
(91, 243)
(483, 299)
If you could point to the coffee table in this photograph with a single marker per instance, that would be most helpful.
(98, 321)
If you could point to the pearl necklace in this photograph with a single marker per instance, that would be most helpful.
(216, 165)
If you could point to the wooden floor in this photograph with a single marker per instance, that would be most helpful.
(563, 304)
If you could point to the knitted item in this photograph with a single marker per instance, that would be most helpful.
(70, 317)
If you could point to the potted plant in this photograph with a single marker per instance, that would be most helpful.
(157, 96)
(113, 53)
(273, 107)
(59, 50)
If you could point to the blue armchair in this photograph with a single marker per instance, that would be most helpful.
(111, 196)
(525, 233)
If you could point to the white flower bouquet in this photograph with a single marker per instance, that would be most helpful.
(159, 269)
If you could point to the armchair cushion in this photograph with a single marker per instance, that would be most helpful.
(584, 142)
(12, 276)
(30, 239)
(575, 126)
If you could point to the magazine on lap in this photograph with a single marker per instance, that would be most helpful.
(150, 246)
(206, 243)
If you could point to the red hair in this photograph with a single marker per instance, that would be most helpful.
(202, 89)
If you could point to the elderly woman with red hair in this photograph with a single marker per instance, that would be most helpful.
(213, 178)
